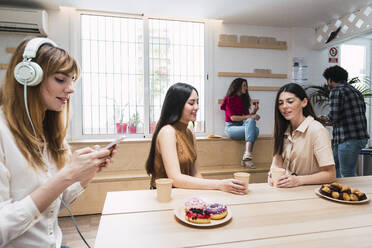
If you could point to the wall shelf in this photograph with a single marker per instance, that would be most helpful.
(252, 45)
(263, 88)
(10, 49)
(255, 75)
(257, 88)
(3, 66)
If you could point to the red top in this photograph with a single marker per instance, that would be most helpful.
(233, 105)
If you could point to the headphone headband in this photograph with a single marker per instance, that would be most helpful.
(33, 46)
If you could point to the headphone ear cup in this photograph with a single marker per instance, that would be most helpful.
(28, 73)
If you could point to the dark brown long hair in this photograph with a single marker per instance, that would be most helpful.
(281, 124)
(171, 112)
(50, 125)
(235, 87)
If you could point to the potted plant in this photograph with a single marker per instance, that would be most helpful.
(152, 126)
(121, 126)
(319, 95)
(133, 122)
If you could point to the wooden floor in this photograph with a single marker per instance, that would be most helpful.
(88, 225)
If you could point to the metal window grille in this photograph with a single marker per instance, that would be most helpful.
(113, 75)
(176, 54)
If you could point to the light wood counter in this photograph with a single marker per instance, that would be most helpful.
(145, 200)
(265, 217)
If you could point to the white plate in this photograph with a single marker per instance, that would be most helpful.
(337, 200)
(180, 214)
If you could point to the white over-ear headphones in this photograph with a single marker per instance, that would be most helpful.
(27, 72)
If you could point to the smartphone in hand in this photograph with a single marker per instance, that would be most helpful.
(112, 144)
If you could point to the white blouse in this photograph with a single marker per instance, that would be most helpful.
(21, 223)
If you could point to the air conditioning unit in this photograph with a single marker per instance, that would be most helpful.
(24, 21)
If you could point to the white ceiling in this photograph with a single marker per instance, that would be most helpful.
(279, 13)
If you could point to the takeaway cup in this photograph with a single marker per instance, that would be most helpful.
(243, 176)
(164, 189)
(276, 173)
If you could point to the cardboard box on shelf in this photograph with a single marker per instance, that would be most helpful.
(228, 38)
(281, 43)
(262, 71)
(266, 40)
(248, 39)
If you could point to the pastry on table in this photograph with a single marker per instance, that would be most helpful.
(345, 189)
(335, 195)
(218, 211)
(342, 192)
(194, 202)
(336, 187)
(345, 196)
(198, 216)
(324, 190)
(354, 197)
(361, 196)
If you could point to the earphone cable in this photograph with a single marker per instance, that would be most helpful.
(28, 114)
(74, 222)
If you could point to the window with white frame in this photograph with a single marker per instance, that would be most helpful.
(115, 84)
(353, 59)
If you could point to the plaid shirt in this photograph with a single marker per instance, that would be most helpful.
(347, 113)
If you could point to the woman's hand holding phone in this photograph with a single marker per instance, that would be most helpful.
(112, 148)
(84, 164)
(112, 144)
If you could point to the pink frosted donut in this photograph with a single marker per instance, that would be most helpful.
(194, 202)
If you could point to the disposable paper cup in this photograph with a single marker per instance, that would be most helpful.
(276, 173)
(164, 189)
(242, 176)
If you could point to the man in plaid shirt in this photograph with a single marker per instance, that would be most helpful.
(348, 116)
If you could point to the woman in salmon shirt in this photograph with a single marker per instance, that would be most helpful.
(302, 146)
(240, 122)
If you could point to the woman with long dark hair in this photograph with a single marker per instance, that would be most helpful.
(302, 145)
(173, 148)
(240, 122)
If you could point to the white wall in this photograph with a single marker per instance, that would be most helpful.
(299, 40)
(227, 59)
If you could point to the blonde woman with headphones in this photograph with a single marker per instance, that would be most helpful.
(38, 173)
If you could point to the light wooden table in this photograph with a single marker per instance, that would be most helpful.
(266, 217)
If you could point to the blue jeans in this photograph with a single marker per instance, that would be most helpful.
(346, 155)
(246, 129)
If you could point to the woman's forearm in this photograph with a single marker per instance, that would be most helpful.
(44, 195)
(190, 182)
(240, 117)
(325, 176)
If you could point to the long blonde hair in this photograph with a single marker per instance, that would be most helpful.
(50, 126)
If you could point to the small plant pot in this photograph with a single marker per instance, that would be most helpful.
(132, 129)
(121, 128)
(152, 126)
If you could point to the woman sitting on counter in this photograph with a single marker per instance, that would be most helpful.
(173, 146)
(302, 145)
